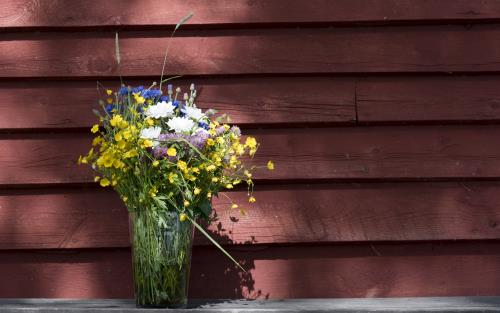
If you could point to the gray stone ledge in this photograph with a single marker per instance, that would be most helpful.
(378, 305)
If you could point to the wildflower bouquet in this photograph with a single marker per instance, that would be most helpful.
(166, 158)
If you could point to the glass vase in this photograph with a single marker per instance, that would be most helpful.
(161, 258)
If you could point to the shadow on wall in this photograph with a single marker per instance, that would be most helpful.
(216, 276)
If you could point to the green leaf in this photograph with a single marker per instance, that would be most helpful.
(160, 203)
(206, 207)
(214, 242)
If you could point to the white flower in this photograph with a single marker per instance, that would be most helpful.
(161, 109)
(180, 124)
(151, 133)
(194, 113)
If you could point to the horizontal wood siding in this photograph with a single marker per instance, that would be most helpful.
(255, 51)
(371, 270)
(382, 117)
(147, 13)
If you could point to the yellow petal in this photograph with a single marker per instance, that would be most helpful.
(171, 152)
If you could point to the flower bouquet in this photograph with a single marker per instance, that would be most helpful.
(167, 159)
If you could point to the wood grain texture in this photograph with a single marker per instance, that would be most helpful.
(248, 101)
(434, 49)
(453, 269)
(403, 152)
(283, 214)
(94, 13)
(428, 99)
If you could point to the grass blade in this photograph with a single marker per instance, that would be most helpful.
(117, 49)
(184, 20)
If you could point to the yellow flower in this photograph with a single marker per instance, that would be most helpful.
(127, 134)
(251, 142)
(234, 206)
(182, 165)
(97, 140)
(156, 163)
(229, 186)
(210, 142)
(109, 100)
(270, 165)
(95, 128)
(209, 195)
(226, 127)
(97, 178)
(186, 203)
(147, 143)
(240, 149)
(251, 200)
(125, 199)
(149, 121)
(183, 217)
(247, 174)
(115, 120)
(220, 140)
(171, 152)
(104, 182)
(215, 179)
(138, 98)
(130, 154)
(118, 164)
(211, 167)
(118, 137)
(196, 191)
(172, 177)
(109, 92)
(82, 160)
(123, 124)
(121, 144)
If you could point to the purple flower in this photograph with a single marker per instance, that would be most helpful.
(198, 140)
(220, 130)
(235, 130)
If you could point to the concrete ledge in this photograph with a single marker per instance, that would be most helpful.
(379, 305)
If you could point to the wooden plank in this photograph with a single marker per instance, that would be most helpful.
(434, 49)
(373, 305)
(402, 152)
(43, 219)
(247, 101)
(94, 13)
(428, 99)
(453, 269)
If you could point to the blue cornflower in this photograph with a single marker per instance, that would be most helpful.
(109, 108)
(151, 93)
(124, 91)
(204, 125)
(137, 89)
(164, 98)
(176, 103)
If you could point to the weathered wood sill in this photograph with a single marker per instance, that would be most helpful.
(379, 305)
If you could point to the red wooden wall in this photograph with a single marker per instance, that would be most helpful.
(382, 117)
